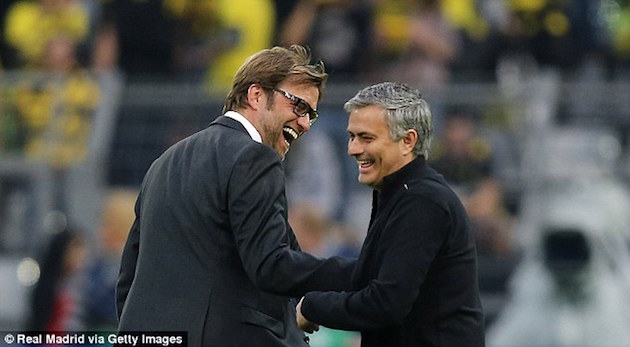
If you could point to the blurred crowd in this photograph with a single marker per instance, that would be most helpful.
(420, 41)
(57, 59)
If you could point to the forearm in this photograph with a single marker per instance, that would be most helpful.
(368, 309)
(295, 273)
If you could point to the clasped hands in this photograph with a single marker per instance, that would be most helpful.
(302, 322)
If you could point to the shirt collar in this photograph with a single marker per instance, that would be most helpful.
(251, 130)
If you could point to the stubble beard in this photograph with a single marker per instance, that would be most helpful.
(272, 132)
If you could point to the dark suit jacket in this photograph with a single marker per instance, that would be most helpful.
(211, 252)
(415, 283)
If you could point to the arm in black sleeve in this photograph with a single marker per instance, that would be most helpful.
(410, 241)
(257, 207)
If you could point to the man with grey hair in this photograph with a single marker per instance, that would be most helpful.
(415, 282)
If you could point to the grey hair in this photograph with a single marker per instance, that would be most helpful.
(405, 109)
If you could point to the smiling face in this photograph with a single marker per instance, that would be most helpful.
(279, 126)
(371, 145)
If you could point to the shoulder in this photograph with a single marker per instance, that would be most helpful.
(234, 147)
(222, 133)
(433, 188)
(221, 145)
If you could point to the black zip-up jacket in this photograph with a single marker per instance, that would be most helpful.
(415, 282)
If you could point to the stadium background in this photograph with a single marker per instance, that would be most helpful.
(91, 92)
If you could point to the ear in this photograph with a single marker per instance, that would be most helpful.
(255, 96)
(408, 142)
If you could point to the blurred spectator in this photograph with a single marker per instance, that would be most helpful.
(18, 211)
(105, 49)
(201, 35)
(31, 25)
(314, 174)
(144, 37)
(562, 34)
(49, 120)
(311, 229)
(617, 16)
(185, 38)
(413, 41)
(465, 158)
(54, 305)
(283, 9)
(11, 136)
(319, 235)
(247, 26)
(6, 53)
(98, 299)
(480, 25)
(337, 31)
(56, 106)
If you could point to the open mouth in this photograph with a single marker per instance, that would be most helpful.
(365, 163)
(289, 134)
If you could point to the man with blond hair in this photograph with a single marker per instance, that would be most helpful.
(211, 252)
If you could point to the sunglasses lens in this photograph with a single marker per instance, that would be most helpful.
(301, 108)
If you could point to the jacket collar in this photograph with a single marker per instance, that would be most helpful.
(230, 123)
(251, 130)
(400, 179)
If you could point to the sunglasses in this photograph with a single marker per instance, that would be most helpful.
(300, 107)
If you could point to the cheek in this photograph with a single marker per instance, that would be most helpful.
(274, 125)
(389, 160)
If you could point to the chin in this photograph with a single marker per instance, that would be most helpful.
(369, 183)
(281, 150)
(365, 181)
(282, 153)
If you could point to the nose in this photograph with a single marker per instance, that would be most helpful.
(304, 123)
(354, 148)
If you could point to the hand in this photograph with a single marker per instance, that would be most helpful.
(302, 322)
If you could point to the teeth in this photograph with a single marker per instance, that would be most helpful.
(289, 134)
(364, 162)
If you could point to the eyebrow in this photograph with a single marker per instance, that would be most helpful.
(361, 133)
